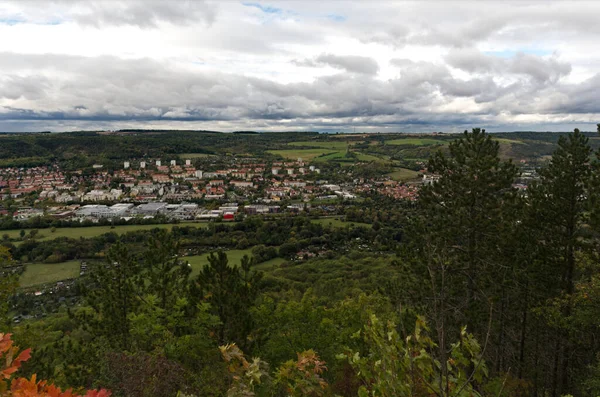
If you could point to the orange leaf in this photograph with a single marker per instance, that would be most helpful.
(23, 356)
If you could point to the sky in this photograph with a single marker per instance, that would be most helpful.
(328, 66)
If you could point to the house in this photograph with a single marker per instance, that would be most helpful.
(241, 184)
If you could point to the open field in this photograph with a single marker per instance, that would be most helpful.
(506, 140)
(193, 155)
(271, 263)
(322, 145)
(403, 174)
(416, 142)
(41, 273)
(199, 261)
(305, 154)
(369, 157)
(339, 223)
(94, 231)
(332, 156)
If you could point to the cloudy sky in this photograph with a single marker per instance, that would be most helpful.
(312, 65)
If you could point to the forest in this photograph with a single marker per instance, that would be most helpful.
(477, 288)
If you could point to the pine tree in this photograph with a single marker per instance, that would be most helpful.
(456, 239)
(8, 285)
(560, 200)
(166, 273)
(231, 291)
(114, 295)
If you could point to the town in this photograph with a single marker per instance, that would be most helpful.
(145, 189)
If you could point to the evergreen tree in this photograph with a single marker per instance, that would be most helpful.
(166, 273)
(8, 286)
(230, 291)
(560, 200)
(457, 236)
(114, 296)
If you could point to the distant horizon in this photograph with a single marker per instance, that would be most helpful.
(295, 131)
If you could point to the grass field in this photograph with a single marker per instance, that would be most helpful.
(505, 140)
(369, 157)
(305, 154)
(199, 261)
(193, 155)
(94, 231)
(41, 273)
(339, 223)
(271, 263)
(322, 145)
(403, 174)
(333, 156)
(416, 142)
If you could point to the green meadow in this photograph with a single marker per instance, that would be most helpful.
(94, 231)
(403, 174)
(321, 144)
(506, 140)
(41, 273)
(305, 154)
(416, 142)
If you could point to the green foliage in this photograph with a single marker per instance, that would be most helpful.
(456, 236)
(301, 377)
(8, 285)
(245, 376)
(230, 291)
(285, 327)
(115, 296)
(166, 274)
(395, 366)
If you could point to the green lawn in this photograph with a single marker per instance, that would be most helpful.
(41, 273)
(339, 223)
(305, 154)
(416, 142)
(94, 231)
(403, 174)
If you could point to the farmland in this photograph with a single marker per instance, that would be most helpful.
(511, 141)
(305, 154)
(403, 174)
(321, 144)
(369, 157)
(416, 142)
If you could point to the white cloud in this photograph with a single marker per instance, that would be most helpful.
(293, 65)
